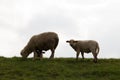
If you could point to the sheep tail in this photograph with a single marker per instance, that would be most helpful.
(97, 49)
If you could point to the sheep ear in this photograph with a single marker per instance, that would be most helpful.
(67, 41)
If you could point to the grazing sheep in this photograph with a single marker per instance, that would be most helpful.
(40, 43)
(85, 46)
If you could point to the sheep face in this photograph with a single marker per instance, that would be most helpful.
(24, 54)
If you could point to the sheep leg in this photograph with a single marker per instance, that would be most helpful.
(82, 53)
(52, 53)
(39, 54)
(77, 55)
(35, 55)
(95, 57)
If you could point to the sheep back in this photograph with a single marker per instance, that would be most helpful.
(87, 45)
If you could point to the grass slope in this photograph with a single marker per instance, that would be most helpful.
(59, 69)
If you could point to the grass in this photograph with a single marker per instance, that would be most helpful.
(59, 69)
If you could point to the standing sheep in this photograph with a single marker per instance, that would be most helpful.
(85, 46)
(39, 43)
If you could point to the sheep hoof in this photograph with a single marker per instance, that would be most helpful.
(76, 59)
(94, 61)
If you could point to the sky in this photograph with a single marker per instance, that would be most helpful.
(70, 19)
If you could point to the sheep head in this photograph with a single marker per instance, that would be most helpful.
(24, 54)
(72, 42)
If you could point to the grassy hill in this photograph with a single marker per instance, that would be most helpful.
(59, 69)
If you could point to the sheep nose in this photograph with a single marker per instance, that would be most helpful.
(67, 41)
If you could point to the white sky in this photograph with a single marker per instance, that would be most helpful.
(71, 19)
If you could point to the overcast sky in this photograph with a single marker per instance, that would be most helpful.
(72, 19)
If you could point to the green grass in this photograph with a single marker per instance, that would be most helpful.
(59, 69)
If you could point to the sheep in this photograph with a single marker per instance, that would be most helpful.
(86, 46)
(40, 43)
